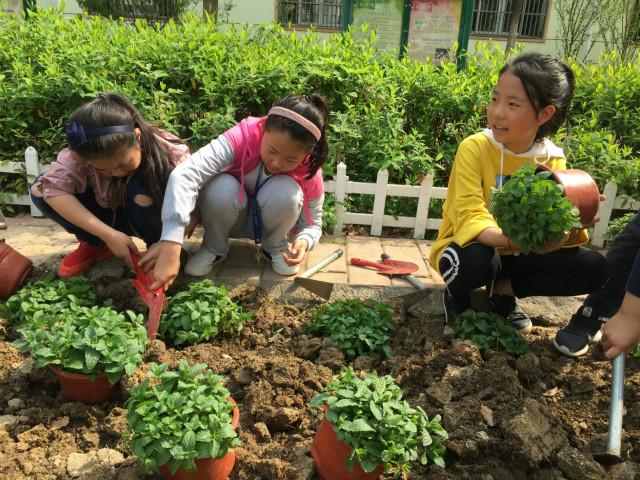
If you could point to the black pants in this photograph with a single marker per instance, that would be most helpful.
(564, 272)
(606, 301)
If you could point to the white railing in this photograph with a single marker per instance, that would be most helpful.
(341, 186)
(33, 169)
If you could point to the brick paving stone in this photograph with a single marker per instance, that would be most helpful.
(365, 248)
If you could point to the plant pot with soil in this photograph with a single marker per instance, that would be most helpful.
(182, 423)
(88, 348)
(534, 208)
(368, 429)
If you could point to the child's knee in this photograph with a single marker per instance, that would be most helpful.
(36, 190)
(143, 200)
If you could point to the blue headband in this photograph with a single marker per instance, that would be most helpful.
(76, 135)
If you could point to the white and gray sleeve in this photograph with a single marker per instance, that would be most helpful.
(311, 233)
(185, 182)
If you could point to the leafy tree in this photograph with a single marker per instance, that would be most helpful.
(156, 12)
(579, 25)
(620, 29)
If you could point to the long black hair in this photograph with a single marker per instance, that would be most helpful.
(547, 81)
(314, 108)
(111, 109)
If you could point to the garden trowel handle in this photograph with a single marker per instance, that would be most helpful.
(409, 277)
(323, 263)
(615, 413)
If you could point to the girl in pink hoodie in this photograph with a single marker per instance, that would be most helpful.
(261, 179)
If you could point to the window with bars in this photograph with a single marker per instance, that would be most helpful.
(306, 13)
(634, 24)
(491, 18)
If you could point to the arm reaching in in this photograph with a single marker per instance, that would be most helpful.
(69, 207)
(164, 258)
(622, 331)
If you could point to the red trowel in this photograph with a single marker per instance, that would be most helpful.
(154, 300)
(390, 267)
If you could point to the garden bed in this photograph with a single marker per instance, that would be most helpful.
(535, 417)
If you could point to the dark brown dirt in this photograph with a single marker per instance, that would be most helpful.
(536, 417)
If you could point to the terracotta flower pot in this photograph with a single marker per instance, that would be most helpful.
(580, 188)
(80, 388)
(330, 454)
(207, 468)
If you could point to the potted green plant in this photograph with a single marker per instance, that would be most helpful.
(183, 422)
(532, 208)
(199, 313)
(49, 295)
(372, 429)
(88, 348)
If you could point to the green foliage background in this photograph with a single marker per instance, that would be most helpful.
(198, 78)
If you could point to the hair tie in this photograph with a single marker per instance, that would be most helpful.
(77, 135)
(102, 96)
(299, 119)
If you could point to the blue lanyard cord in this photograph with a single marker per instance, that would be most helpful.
(257, 223)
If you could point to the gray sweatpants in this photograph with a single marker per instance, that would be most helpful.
(279, 201)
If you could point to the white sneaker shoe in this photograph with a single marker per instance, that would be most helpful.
(202, 262)
(280, 266)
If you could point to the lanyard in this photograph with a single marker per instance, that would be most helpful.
(257, 223)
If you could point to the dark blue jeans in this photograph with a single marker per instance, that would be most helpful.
(133, 219)
(621, 256)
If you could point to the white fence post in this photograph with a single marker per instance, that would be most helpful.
(379, 202)
(606, 208)
(33, 170)
(422, 213)
(341, 183)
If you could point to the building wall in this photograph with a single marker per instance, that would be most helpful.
(264, 11)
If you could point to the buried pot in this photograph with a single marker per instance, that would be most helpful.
(80, 388)
(207, 468)
(329, 454)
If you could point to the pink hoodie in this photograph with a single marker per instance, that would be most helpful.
(246, 138)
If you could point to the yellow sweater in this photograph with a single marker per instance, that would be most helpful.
(476, 169)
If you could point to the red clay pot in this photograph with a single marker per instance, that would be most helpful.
(580, 188)
(79, 387)
(330, 454)
(207, 468)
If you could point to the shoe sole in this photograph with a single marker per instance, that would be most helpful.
(80, 268)
(565, 351)
(526, 329)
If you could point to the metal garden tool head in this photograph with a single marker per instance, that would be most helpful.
(320, 288)
(389, 267)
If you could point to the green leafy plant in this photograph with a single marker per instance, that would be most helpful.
(360, 328)
(531, 209)
(490, 331)
(184, 415)
(48, 296)
(200, 313)
(615, 227)
(85, 340)
(370, 415)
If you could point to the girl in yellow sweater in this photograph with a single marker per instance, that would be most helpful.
(529, 103)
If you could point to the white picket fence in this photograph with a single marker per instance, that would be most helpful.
(341, 186)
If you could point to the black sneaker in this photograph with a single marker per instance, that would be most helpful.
(583, 328)
(452, 307)
(507, 308)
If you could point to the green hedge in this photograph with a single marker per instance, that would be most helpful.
(198, 78)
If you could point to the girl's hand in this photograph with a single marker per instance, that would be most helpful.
(164, 258)
(298, 251)
(120, 244)
(621, 333)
